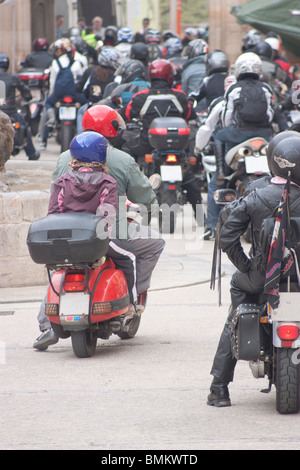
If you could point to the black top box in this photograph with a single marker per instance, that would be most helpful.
(168, 133)
(67, 239)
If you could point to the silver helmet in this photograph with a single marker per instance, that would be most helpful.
(247, 64)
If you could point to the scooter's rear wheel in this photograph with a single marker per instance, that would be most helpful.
(132, 330)
(84, 343)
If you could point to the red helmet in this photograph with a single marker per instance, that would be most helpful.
(103, 119)
(40, 44)
(162, 69)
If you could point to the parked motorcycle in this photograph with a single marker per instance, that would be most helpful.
(269, 339)
(169, 137)
(87, 296)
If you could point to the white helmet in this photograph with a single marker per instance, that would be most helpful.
(247, 63)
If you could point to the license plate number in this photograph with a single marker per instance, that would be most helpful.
(67, 113)
(256, 165)
(171, 173)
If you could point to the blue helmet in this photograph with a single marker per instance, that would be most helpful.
(89, 147)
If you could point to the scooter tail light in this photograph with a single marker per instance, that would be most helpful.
(74, 283)
(184, 131)
(171, 158)
(288, 332)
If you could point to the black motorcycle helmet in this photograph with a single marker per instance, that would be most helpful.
(285, 159)
(216, 61)
(130, 70)
(139, 51)
(263, 49)
(275, 141)
(4, 62)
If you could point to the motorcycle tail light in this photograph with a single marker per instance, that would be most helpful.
(74, 283)
(184, 131)
(68, 99)
(288, 332)
(257, 143)
(172, 187)
(158, 131)
(51, 309)
(101, 308)
(171, 159)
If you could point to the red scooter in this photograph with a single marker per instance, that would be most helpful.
(87, 296)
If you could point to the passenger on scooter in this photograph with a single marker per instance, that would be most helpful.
(248, 281)
(9, 106)
(248, 110)
(131, 182)
(89, 188)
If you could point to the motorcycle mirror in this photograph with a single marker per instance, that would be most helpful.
(224, 196)
(155, 180)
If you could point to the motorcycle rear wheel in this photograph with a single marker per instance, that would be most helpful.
(287, 381)
(84, 343)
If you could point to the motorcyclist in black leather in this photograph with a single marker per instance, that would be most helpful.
(40, 58)
(248, 281)
(12, 83)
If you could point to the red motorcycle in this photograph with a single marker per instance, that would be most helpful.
(87, 296)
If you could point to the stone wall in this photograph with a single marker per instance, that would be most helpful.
(17, 211)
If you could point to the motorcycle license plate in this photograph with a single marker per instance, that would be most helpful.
(67, 113)
(256, 164)
(171, 173)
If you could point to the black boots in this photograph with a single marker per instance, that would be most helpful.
(220, 172)
(219, 394)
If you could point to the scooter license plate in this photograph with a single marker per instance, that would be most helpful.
(67, 113)
(74, 307)
(256, 165)
(171, 173)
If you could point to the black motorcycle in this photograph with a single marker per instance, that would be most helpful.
(169, 137)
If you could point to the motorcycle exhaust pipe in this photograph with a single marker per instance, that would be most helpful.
(244, 152)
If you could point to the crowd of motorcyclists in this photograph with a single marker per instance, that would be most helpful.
(150, 74)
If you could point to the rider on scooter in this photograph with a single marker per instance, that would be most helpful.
(248, 282)
(131, 182)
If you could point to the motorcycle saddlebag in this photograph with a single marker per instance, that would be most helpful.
(168, 133)
(78, 238)
(245, 332)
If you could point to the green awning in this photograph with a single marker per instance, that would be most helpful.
(280, 16)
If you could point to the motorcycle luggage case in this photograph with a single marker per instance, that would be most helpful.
(245, 332)
(168, 133)
(67, 239)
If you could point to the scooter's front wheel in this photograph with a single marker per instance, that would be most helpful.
(84, 343)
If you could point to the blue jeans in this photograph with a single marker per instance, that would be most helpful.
(232, 136)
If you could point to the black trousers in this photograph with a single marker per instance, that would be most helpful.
(245, 288)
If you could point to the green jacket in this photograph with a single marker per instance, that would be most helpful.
(132, 183)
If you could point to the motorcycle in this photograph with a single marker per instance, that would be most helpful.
(269, 339)
(20, 137)
(87, 296)
(248, 160)
(66, 116)
(169, 137)
(38, 82)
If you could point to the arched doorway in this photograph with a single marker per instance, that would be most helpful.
(42, 19)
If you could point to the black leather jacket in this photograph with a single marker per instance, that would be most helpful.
(13, 82)
(258, 205)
